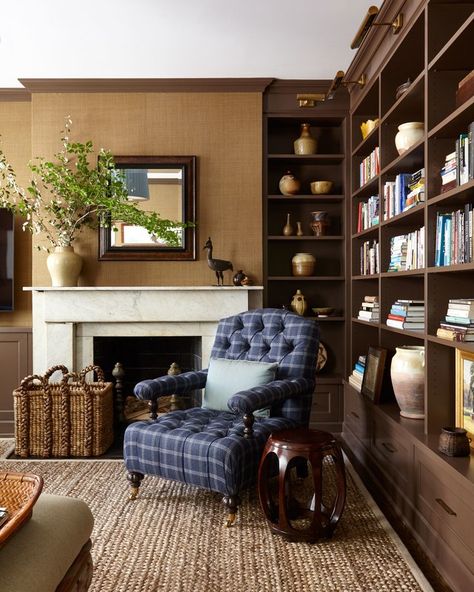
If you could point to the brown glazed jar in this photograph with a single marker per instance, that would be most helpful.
(454, 442)
(305, 144)
(303, 264)
(289, 184)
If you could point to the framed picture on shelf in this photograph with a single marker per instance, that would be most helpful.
(465, 392)
(374, 372)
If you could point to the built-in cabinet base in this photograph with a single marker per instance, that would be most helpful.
(425, 489)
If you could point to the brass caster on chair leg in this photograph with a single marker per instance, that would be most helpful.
(133, 493)
(230, 520)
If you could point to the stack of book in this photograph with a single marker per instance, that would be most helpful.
(407, 251)
(368, 213)
(369, 310)
(355, 379)
(459, 320)
(449, 172)
(416, 189)
(407, 314)
(370, 167)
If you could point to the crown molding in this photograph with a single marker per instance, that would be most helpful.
(14, 94)
(140, 85)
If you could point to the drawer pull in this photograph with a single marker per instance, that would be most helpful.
(389, 447)
(445, 507)
(355, 414)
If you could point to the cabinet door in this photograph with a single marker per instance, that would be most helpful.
(357, 415)
(326, 412)
(15, 365)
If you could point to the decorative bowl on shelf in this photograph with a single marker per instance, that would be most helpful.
(368, 126)
(321, 187)
(323, 311)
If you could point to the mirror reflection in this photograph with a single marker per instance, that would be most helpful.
(165, 185)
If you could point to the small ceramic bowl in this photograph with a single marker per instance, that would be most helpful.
(323, 311)
(320, 187)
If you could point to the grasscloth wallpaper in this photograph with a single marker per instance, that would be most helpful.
(224, 131)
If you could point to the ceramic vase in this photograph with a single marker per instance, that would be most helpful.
(289, 184)
(408, 379)
(303, 264)
(298, 303)
(288, 228)
(408, 135)
(319, 223)
(64, 266)
(299, 230)
(305, 144)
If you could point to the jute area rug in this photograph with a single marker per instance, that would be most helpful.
(172, 539)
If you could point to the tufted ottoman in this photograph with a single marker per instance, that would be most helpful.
(200, 447)
(51, 551)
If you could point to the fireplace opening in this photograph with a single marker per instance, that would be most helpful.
(148, 357)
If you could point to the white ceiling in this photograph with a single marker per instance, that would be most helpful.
(306, 39)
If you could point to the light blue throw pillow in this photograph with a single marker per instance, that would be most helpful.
(225, 378)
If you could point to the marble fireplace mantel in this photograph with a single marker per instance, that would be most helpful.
(66, 320)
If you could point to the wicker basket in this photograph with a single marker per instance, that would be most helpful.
(69, 418)
(18, 494)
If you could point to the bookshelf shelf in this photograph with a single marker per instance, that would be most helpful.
(456, 122)
(367, 145)
(408, 105)
(312, 278)
(366, 189)
(459, 268)
(306, 238)
(410, 272)
(409, 161)
(456, 53)
(414, 214)
(311, 158)
(306, 198)
(368, 232)
(457, 196)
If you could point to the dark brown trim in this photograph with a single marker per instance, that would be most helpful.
(96, 85)
(14, 94)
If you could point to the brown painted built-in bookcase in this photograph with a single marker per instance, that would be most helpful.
(433, 493)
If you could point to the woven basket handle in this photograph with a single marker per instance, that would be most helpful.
(92, 368)
(32, 382)
(53, 369)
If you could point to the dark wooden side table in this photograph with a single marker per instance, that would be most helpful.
(287, 455)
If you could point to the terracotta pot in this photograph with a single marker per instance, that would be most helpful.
(303, 264)
(408, 379)
(305, 144)
(289, 184)
(64, 266)
(408, 135)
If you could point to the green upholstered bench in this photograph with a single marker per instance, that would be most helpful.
(50, 553)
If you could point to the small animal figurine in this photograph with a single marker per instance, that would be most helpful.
(217, 265)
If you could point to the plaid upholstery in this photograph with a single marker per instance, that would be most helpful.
(201, 447)
(206, 448)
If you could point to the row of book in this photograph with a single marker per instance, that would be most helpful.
(407, 314)
(458, 166)
(369, 258)
(370, 166)
(454, 237)
(369, 310)
(458, 323)
(355, 379)
(368, 213)
(407, 251)
(406, 191)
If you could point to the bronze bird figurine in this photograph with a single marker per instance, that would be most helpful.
(217, 265)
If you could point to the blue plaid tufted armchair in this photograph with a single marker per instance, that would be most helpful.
(220, 450)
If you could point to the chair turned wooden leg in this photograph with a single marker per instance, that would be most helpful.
(231, 502)
(135, 480)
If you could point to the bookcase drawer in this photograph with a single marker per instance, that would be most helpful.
(449, 511)
(393, 452)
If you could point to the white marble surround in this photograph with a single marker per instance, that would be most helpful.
(66, 320)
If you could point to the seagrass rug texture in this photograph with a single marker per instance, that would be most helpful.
(172, 538)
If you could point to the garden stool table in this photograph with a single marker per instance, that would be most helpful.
(288, 454)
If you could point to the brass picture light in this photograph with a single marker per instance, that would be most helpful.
(368, 22)
(339, 81)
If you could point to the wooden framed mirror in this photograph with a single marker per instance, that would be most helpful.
(167, 185)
